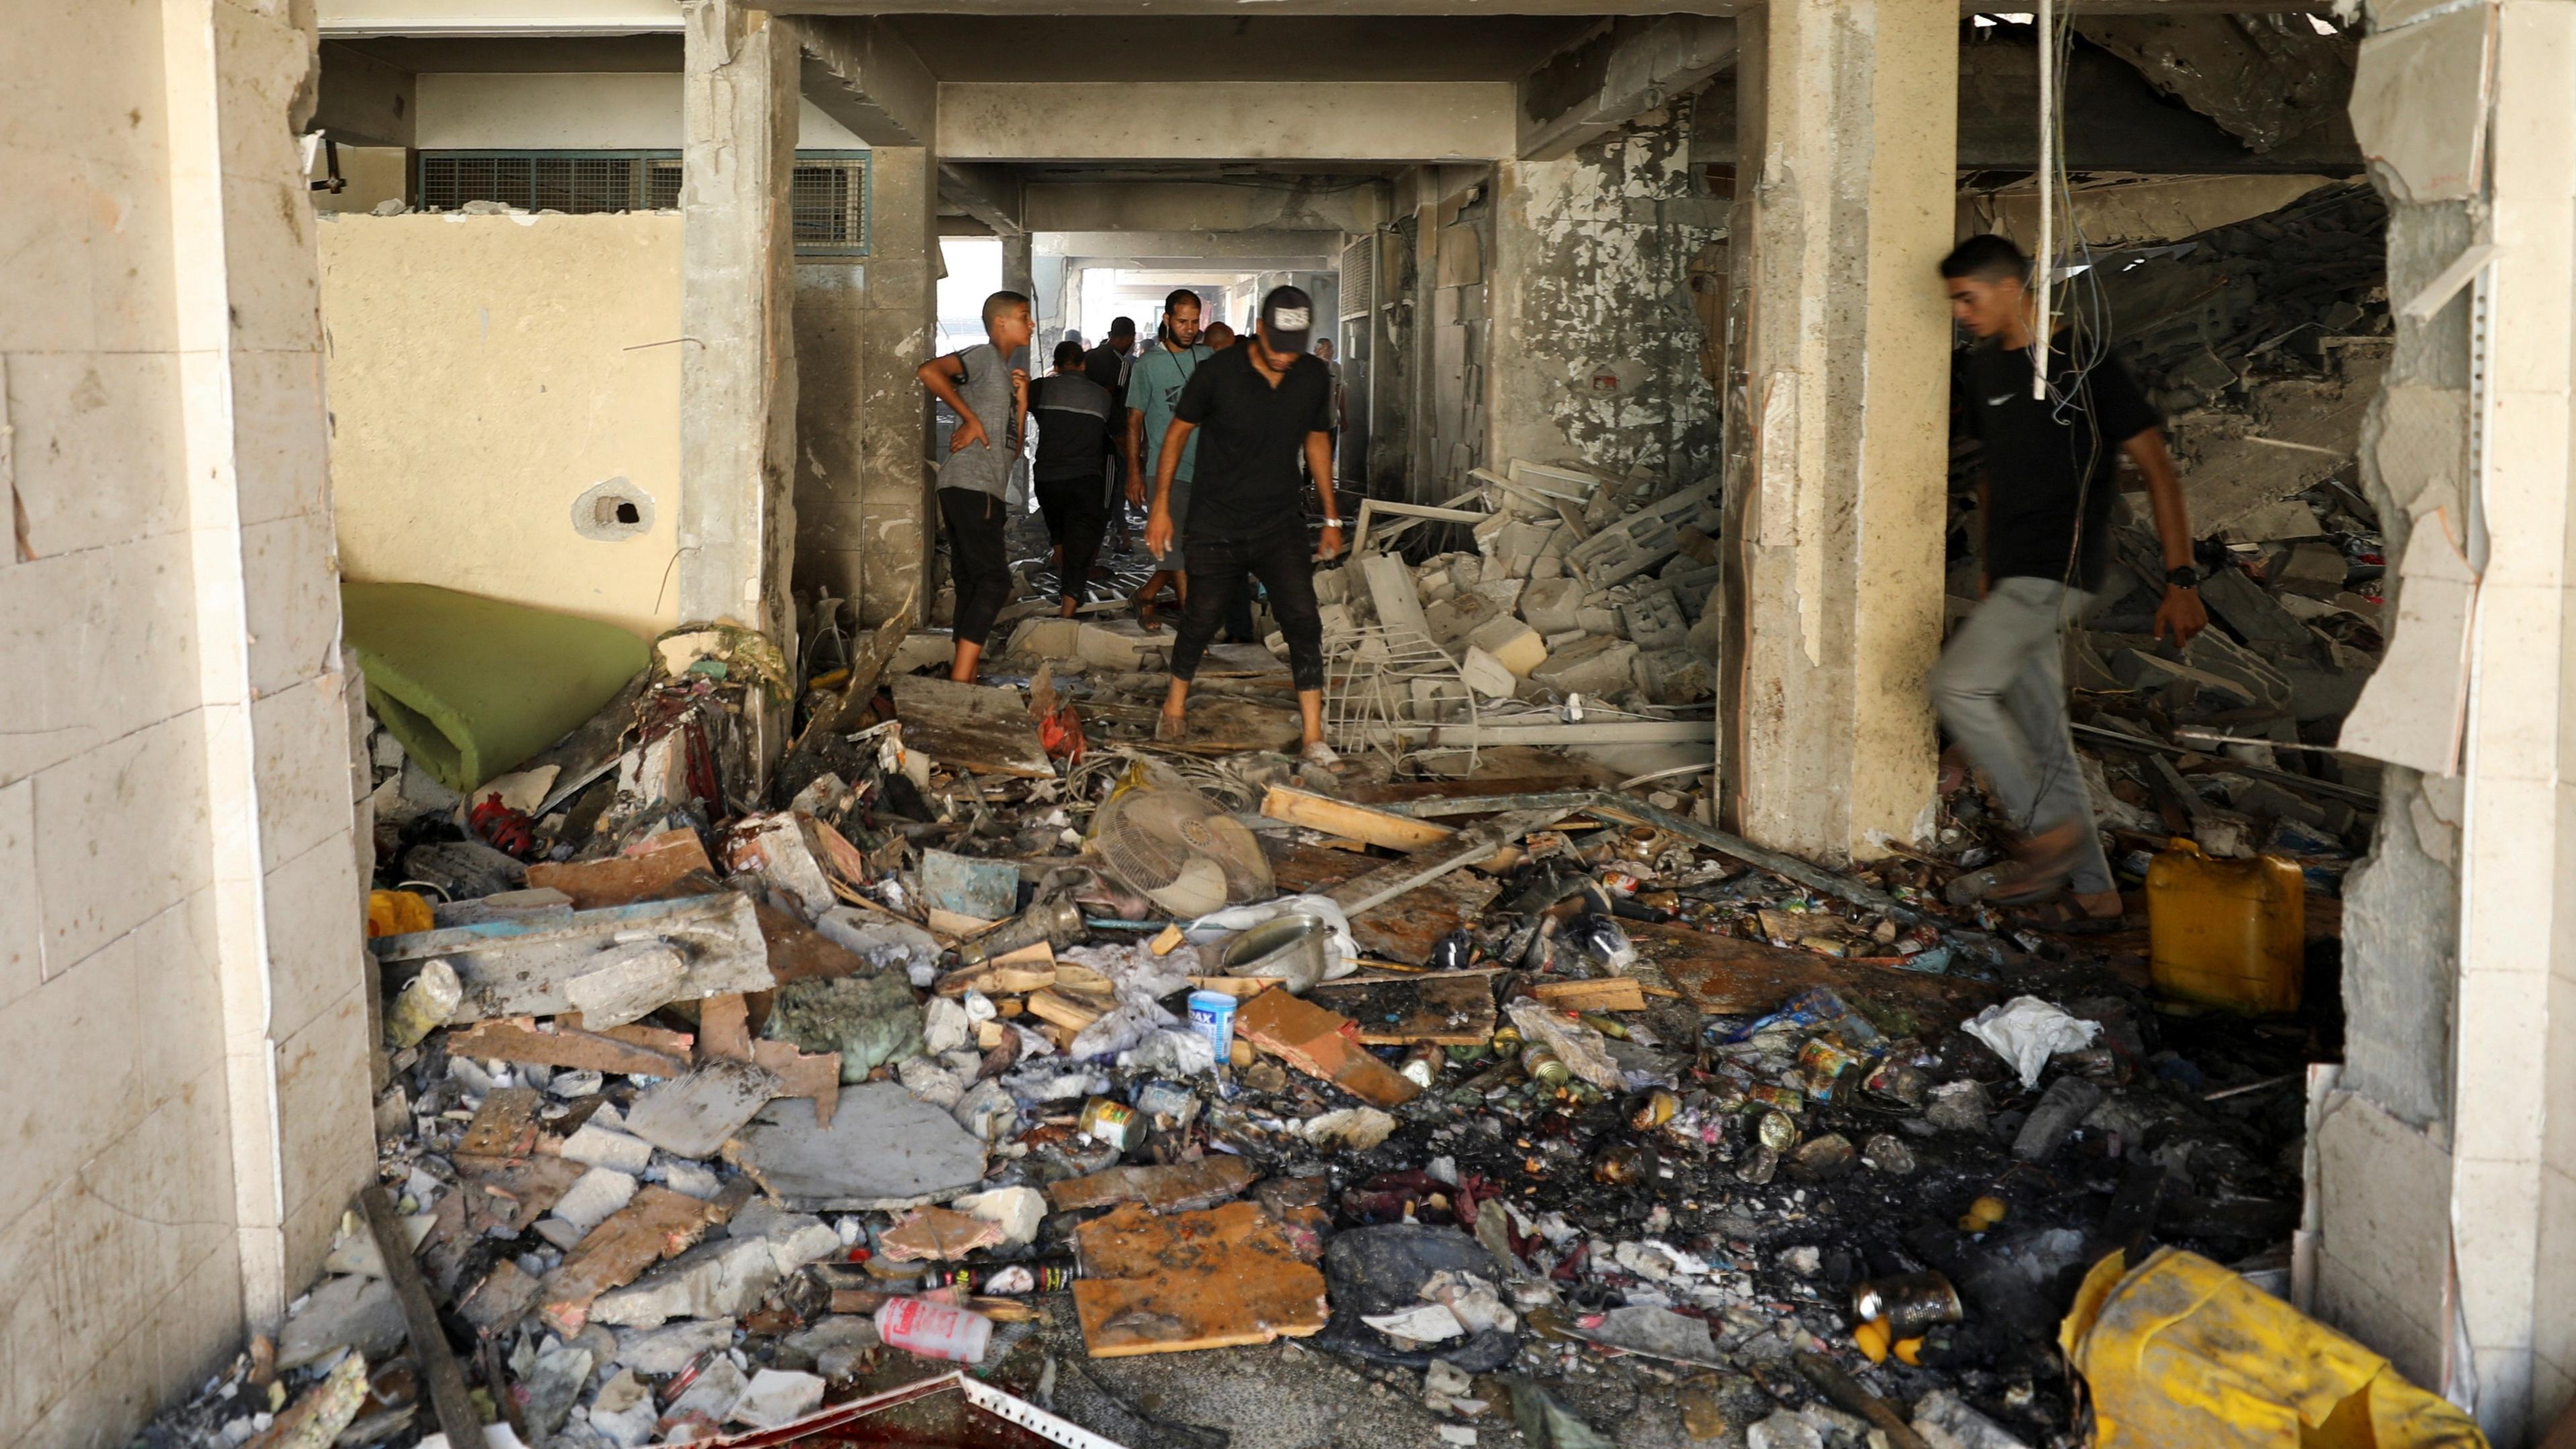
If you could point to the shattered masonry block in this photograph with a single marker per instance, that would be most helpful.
(1526, 541)
(1332, 585)
(1547, 567)
(1654, 620)
(1597, 665)
(1048, 638)
(1550, 605)
(1488, 675)
(1513, 644)
(1674, 676)
(1454, 620)
(1503, 594)
(1467, 570)
(1592, 619)
(1566, 640)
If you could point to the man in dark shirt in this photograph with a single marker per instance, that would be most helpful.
(1072, 415)
(1262, 406)
(2051, 463)
(1107, 365)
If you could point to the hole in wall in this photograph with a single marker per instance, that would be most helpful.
(612, 509)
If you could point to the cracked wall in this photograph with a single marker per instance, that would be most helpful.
(1597, 354)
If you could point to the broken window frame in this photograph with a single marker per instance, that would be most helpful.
(828, 229)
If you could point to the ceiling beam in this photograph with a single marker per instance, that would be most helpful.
(1616, 74)
(1236, 121)
(1201, 248)
(1315, 204)
(988, 193)
(861, 74)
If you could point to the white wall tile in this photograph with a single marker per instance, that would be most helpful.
(198, 1326)
(280, 437)
(22, 926)
(35, 1370)
(2503, 1060)
(121, 837)
(170, 1175)
(268, 259)
(134, 300)
(179, 1008)
(292, 591)
(301, 737)
(67, 1083)
(2555, 1336)
(317, 926)
(51, 258)
(324, 1105)
(2494, 1239)
(100, 643)
(97, 448)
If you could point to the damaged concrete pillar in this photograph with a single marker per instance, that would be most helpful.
(1847, 134)
(1019, 267)
(865, 518)
(738, 362)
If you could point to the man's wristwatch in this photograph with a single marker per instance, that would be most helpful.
(2186, 577)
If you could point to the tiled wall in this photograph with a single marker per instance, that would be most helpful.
(178, 888)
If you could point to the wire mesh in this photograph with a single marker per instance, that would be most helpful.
(827, 205)
(1385, 686)
(827, 196)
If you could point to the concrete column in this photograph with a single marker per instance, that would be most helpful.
(738, 368)
(1019, 267)
(2513, 1197)
(865, 518)
(1846, 360)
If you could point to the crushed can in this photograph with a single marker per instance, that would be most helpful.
(1909, 1303)
(1058, 922)
(1113, 1124)
(1054, 1274)
(1821, 1064)
(1542, 1065)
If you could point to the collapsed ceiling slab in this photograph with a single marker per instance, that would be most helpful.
(1618, 72)
(2263, 78)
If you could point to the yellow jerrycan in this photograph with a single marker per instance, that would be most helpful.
(2229, 933)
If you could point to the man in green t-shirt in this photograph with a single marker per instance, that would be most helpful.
(1153, 390)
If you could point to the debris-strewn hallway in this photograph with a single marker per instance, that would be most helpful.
(1764, 724)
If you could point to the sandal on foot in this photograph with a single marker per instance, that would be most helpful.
(1322, 755)
(1170, 729)
(2006, 883)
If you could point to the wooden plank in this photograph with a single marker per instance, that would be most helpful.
(799, 1075)
(656, 1223)
(519, 1039)
(506, 1125)
(1355, 822)
(519, 967)
(451, 1405)
(724, 1028)
(1214, 1279)
(1438, 1010)
(1176, 1188)
(1607, 993)
(1322, 1045)
(1460, 850)
(644, 873)
(1058, 1009)
(1404, 929)
(970, 727)
(1729, 976)
(507, 1197)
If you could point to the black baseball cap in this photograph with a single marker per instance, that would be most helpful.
(1287, 319)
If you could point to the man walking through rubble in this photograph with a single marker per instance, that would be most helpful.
(1072, 413)
(2044, 502)
(1154, 386)
(987, 386)
(1262, 405)
(1108, 365)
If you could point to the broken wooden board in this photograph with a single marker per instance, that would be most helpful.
(505, 1198)
(970, 727)
(1445, 1009)
(799, 1075)
(1321, 1045)
(1403, 929)
(1370, 826)
(840, 712)
(1460, 850)
(506, 1125)
(693, 1116)
(724, 1029)
(656, 1223)
(798, 952)
(647, 872)
(1607, 993)
(1179, 1187)
(1213, 1279)
(522, 967)
(520, 1039)
(1729, 976)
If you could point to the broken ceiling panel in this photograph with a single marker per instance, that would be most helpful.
(2419, 104)
(2263, 78)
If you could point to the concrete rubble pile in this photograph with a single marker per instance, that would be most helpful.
(1491, 1105)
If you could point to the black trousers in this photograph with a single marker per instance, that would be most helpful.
(1076, 516)
(978, 559)
(1283, 559)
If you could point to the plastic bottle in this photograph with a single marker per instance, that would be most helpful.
(934, 1330)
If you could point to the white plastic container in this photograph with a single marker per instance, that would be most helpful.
(934, 1330)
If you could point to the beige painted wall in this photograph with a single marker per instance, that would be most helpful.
(184, 1098)
(576, 110)
(486, 371)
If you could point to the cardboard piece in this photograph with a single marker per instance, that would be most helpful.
(1321, 1045)
(1211, 1279)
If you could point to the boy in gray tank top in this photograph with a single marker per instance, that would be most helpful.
(987, 386)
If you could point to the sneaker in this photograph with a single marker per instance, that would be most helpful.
(1321, 754)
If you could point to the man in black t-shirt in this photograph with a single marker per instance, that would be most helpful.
(2052, 458)
(1072, 413)
(1107, 365)
(1261, 406)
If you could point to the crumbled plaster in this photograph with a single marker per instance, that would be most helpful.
(1599, 357)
